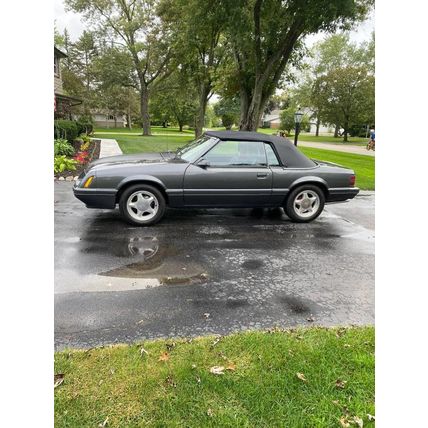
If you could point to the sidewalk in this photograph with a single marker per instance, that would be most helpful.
(109, 147)
(358, 150)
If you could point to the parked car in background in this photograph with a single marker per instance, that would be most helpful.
(221, 169)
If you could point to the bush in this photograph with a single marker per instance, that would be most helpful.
(62, 163)
(63, 147)
(67, 129)
(287, 120)
(85, 127)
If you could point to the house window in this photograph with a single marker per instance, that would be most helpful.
(110, 117)
(56, 66)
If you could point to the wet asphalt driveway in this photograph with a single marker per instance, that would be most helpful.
(208, 271)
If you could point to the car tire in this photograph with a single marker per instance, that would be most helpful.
(305, 203)
(142, 205)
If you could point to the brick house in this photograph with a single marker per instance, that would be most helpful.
(63, 103)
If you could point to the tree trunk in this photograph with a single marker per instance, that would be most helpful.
(203, 101)
(180, 126)
(144, 104)
(317, 130)
(345, 131)
(336, 131)
(251, 118)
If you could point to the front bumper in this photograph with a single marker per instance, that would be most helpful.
(96, 198)
(339, 194)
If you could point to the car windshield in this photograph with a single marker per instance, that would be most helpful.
(194, 150)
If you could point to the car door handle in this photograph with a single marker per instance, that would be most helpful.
(262, 174)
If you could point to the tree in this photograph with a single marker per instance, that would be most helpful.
(345, 96)
(264, 36)
(228, 110)
(134, 25)
(197, 27)
(334, 52)
(175, 100)
(288, 122)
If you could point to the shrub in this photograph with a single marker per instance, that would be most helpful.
(63, 147)
(67, 129)
(62, 163)
(85, 127)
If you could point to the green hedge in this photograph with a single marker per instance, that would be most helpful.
(67, 129)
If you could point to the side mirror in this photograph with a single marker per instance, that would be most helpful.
(203, 163)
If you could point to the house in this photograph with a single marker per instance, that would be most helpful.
(271, 120)
(62, 103)
(105, 119)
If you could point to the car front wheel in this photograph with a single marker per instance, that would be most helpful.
(142, 205)
(305, 203)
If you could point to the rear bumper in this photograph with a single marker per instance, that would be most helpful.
(339, 194)
(96, 198)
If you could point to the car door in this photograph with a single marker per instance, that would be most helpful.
(231, 174)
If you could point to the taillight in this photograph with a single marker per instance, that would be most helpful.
(352, 180)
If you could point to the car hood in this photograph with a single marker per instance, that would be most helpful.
(136, 158)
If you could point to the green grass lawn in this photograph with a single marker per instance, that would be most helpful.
(364, 166)
(154, 143)
(138, 131)
(298, 378)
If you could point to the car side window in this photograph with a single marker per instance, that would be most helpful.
(237, 153)
(271, 156)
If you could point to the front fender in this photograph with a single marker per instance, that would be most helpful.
(141, 177)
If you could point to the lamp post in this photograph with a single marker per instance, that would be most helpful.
(297, 120)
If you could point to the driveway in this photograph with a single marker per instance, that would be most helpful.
(351, 148)
(208, 271)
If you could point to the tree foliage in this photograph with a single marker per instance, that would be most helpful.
(345, 96)
(228, 110)
(135, 26)
(265, 35)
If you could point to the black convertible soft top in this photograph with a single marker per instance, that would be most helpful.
(287, 152)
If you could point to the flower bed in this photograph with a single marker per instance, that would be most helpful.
(86, 152)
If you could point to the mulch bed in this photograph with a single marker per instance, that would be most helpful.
(94, 153)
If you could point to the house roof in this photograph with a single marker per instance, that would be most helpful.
(289, 155)
(59, 53)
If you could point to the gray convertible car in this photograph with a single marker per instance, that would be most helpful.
(220, 169)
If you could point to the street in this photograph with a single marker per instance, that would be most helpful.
(203, 272)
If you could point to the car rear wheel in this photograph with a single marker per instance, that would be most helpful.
(305, 203)
(142, 205)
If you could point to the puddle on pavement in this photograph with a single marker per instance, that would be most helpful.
(252, 264)
(295, 304)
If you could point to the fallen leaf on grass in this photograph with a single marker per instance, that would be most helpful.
(370, 417)
(170, 381)
(231, 367)
(164, 356)
(340, 383)
(301, 376)
(143, 351)
(170, 346)
(104, 424)
(216, 340)
(58, 379)
(358, 421)
(217, 370)
(210, 412)
(344, 422)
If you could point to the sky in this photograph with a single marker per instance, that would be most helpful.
(75, 25)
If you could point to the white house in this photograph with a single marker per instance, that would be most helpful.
(103, 119)
(271, 120)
